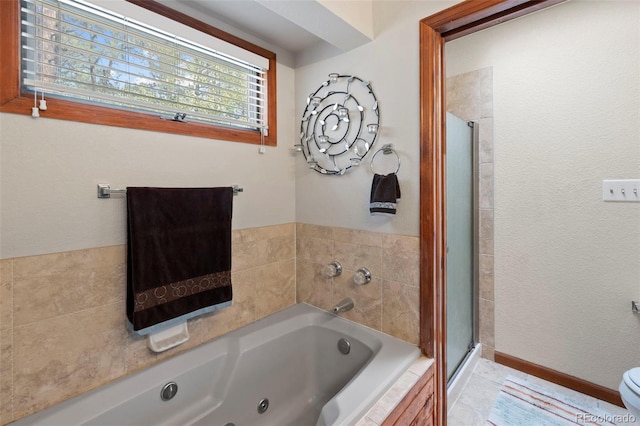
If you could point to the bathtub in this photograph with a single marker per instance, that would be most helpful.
(300, 366)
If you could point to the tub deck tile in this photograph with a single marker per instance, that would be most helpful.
(385, 405)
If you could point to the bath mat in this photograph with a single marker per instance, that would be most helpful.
(521, 403)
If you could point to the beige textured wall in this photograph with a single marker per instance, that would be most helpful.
(567, 116)
(359, 14)
(49, 170)
(62, 316)
(470, 97)
(390, 63)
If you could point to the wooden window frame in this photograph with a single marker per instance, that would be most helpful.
(457, 21)
(14, 100)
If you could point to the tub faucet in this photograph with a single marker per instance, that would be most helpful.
(343, 306)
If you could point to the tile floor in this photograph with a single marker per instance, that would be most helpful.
(474, 404)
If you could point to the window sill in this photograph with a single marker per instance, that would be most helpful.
(73, 111)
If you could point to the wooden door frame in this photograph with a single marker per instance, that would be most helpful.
(457, 21)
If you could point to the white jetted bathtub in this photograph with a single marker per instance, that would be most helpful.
(300, 366)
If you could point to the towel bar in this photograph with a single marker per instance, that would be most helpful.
(105, 191)
(386, 150)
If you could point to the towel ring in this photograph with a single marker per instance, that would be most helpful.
(386, 150)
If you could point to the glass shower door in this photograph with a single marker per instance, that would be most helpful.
(461, 241)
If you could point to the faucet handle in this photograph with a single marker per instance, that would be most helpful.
(362, 276)
(333, 269)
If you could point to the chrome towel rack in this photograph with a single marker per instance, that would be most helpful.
(105, 191)
(386, 150)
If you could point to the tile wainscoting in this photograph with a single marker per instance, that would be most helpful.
(62, 330)
(62, 316)
(389, 303)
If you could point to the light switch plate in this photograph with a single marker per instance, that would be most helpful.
(621, 190)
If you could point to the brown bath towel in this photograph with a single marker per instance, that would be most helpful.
(385, 193)
(178, 252)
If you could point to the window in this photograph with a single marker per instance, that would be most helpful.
(106, 67)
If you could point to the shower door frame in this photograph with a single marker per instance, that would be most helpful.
(475, 249)
(457, 21)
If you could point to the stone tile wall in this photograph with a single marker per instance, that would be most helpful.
(389, 303)
(62, 329)
(470, 97)
(62, 315)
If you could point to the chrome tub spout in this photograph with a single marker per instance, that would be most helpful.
(343, 306)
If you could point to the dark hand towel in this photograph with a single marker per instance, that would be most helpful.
(385, 193)
(178, 252)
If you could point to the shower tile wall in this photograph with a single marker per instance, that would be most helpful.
(389, 303)
(62, 328)
(470, 97)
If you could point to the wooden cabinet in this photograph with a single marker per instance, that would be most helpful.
(416, 408)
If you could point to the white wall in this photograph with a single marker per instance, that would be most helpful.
(567, 116)
(390, 63)
(49, 170)
(359, 14)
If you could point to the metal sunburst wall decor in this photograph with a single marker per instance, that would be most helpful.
(339, 125)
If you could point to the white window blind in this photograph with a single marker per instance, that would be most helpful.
(78, 50)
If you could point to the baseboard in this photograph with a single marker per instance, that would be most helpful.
(562, 379)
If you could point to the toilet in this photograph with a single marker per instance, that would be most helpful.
(630, 391)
